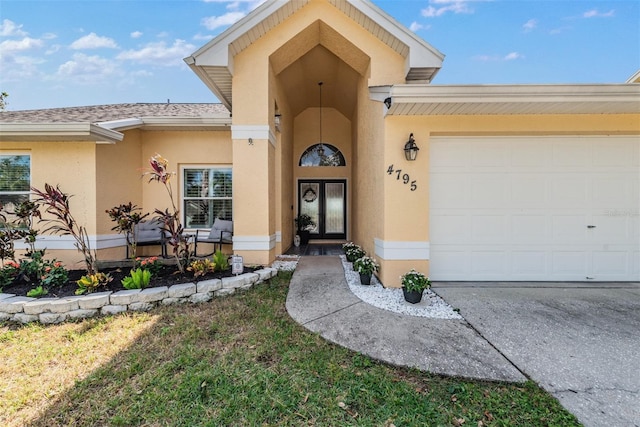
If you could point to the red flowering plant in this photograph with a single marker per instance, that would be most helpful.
(172, 225)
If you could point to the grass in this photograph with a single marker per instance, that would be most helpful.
(236, 361)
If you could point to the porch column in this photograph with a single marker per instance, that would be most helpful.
(254, 193)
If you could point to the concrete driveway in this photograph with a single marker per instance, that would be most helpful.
(580, 342)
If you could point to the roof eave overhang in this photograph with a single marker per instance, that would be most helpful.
(82, 131)
(214, 122)
(514, 99)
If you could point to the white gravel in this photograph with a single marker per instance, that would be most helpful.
(286, 262)
(393, 300)
(378, 296)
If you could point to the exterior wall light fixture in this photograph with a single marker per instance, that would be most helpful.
(277, 121)
(411, 149)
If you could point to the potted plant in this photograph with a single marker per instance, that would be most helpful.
(304, 223)
(354, 252)
(365, 266)
(413, 284)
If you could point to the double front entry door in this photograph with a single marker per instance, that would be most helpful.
(325, 201)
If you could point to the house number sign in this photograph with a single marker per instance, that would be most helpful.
(405, 178)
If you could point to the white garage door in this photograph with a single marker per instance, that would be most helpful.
(535, 208)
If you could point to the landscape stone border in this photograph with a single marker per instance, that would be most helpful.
(57, 310)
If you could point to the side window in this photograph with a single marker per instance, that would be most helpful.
(207, 194)
(15, 180)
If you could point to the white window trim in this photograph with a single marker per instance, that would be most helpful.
(20, 153)
(181, 183)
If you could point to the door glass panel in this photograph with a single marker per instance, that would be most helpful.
(310, 203)
(334, 210)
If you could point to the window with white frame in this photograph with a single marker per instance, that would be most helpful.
(15, 181)
(207, 194)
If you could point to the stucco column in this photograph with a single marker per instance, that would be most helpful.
(404, 244)
(254, 193)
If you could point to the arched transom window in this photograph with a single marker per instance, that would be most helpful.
(322, 155)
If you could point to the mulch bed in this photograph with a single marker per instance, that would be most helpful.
(168, 276)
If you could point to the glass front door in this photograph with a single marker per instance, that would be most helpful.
(325, 201)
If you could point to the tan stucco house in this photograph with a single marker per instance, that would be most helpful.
(511, 182)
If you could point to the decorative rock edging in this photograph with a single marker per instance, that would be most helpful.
(57, 310)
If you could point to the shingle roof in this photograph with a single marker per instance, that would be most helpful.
(106, 113)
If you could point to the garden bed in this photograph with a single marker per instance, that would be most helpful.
(168, 276)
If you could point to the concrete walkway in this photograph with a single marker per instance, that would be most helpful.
(319, 299)
(580, 343)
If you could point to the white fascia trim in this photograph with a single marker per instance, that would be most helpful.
(216, 51)
(278, 236)
(433, 94)
(402, 250)
(254, 243)
(379, 93)
(122, 125)
(103, 241)
(81, 131)
(253, 132)
(421, 53)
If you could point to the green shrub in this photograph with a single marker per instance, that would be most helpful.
(91, 282)
(200, 267)
(37, 292)
(220, 261)
(137, 279)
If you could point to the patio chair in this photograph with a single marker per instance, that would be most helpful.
(221, 233)
(149, 233)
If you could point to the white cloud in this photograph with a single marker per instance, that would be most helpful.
(159, 53)
(27, 43)
(530, 25)
(93, 41)
(87, 69)
(49, 36)
(512, 56)
(203, 37)
(136, 34)
(9, 28)
(213, 22)
(415, 26)
(443, 6)
(594, 13)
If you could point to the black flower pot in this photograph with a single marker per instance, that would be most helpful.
(413, 297)
(304, 237)
(365, 278)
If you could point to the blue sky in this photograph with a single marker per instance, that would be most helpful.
(57, 53)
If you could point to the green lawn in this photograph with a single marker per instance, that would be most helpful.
(236, 361)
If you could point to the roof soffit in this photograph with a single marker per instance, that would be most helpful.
(514, 99)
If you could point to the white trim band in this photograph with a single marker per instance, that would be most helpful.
(253, 132)
(103, 241)
(399, 250)
(254, 243)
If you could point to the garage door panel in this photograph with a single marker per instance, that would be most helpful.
(452, 227)
(569, 191)
(488, 263)
(451, 190)
(488, 190)
(610, 264)
(571, 153)
(570, 263)
(519, 208)
(528, 190)
(569, 228)
(612, 190)
(488, 229)
(530, 228)
(614, 154)
(490, 154)
(529, 264)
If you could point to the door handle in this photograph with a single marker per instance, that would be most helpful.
(591, 226)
